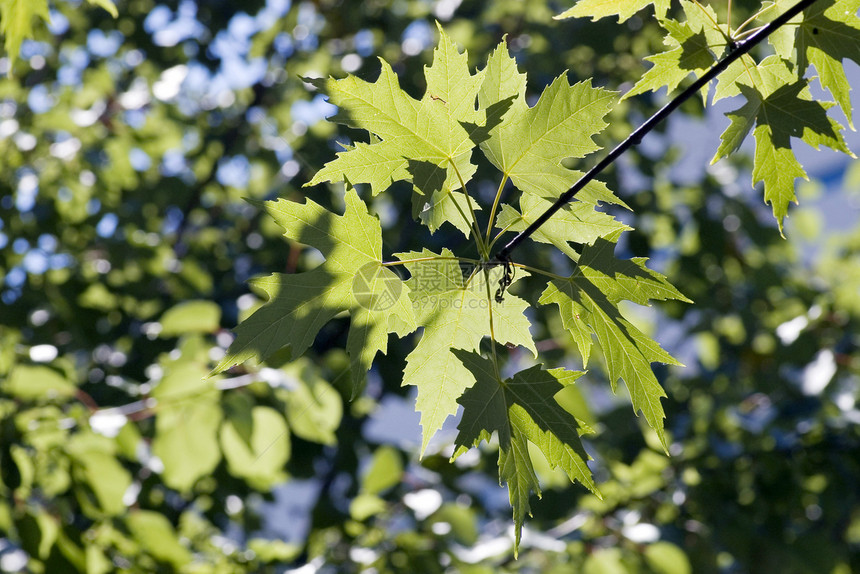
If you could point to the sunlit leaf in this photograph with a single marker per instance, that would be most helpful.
(352, 278)
(588, 304)
(597, 9)
(190, 317)
(779, 108)
(519, 409)
(262, 461)
(455, 312)
(426, 141)
(158, 537)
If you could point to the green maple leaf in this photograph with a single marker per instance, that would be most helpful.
(455, 313)
(824, 34)
(624, 9)
(780, 107)
(696, 45)
(437, 204)
(529, 145)
(17, 22)
(352, 278)
(428, 141)
(828, 34)
(742, 71)
(522, 408)
(588, 304)
(576, 222)
(771, 73)
(782, 39)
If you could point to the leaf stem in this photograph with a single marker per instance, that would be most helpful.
(490, 313)
(540, 271)
(749, 73)
(749, 32)
(752, 18)
(500, 233)
(493, 211)
(479, 239)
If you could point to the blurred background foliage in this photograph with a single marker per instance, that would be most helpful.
(127, 148)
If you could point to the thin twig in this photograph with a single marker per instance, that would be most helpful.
(493, 210)
(752, 18)
(476, 229)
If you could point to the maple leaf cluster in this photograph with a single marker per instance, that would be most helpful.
(433, 143)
